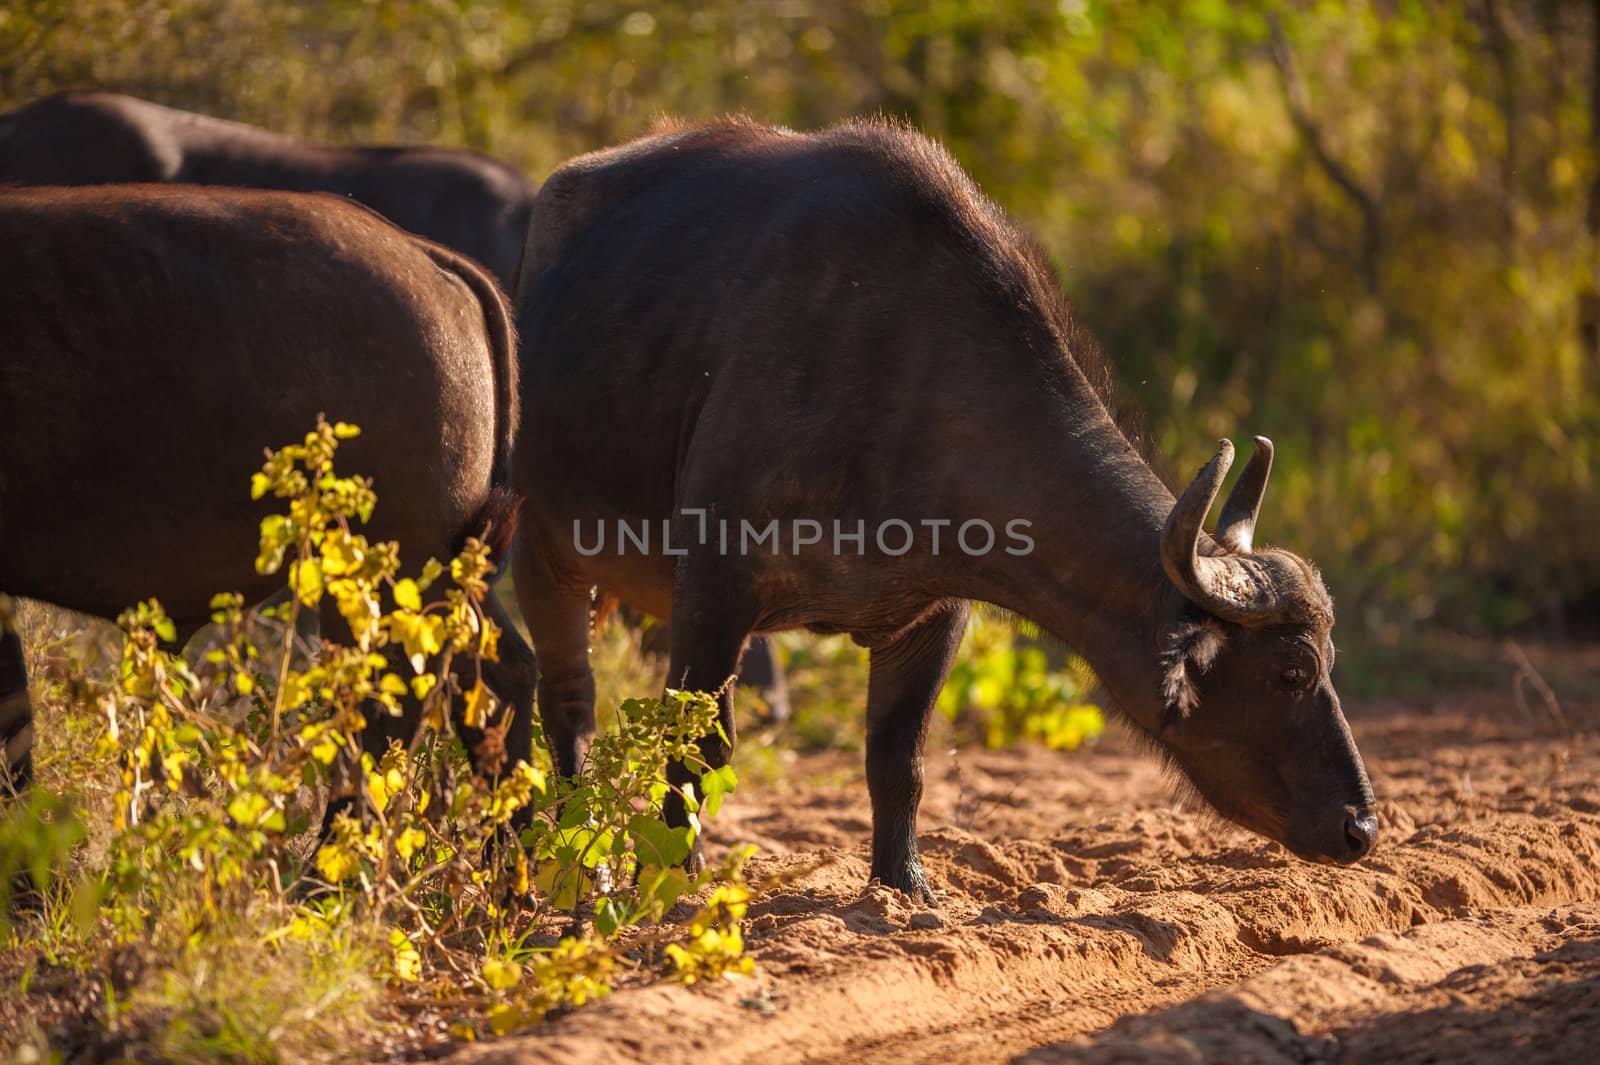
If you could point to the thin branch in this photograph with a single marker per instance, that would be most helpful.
(1297, 99)
(1589, 300)
(1503, 44)
(1528, 674)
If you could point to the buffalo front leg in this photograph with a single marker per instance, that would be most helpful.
(904, 682)
(16, 717)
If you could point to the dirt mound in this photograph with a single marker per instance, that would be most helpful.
(1084, 916)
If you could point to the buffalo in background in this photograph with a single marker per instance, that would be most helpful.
(154, 340)
(464, 200)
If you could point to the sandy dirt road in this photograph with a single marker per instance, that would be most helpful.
(1086, 917)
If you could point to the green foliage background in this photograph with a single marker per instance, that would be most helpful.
(1365, 229)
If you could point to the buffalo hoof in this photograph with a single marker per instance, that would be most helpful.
(909, 879)
(695, 864)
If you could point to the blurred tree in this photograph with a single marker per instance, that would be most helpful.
(1368, 229)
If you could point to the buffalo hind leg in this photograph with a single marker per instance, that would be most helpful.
(382, 727)
(558, 622)
(16, 718)
(903, 684)
(512, 679)
(16, 756)
(761, 670)
(708, 637)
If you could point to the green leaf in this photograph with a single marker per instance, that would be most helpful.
(576, 811)
(86, 898)
(657, 843)
(660, 889)
(714, 785)
(562, 885)
(247, 808)
(583, 845)
(607, 917)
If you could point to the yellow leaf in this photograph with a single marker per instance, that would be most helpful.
(507, 1018)
(409, 842)
(476, 712)
(562, 885)
(378, 791)
(336, 863)
(340, 555)
(407, 594)
(501, 975)
(419, 634)
(296, 691)
(407, 962)
(173, 764)
(306, 579)
(529, 775)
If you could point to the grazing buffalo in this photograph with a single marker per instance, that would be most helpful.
(819, 380)
(154, 340)
(470, 202)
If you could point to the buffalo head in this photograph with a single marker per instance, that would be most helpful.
(1251, 715)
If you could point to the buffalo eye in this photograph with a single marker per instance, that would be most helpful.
(1295, 677)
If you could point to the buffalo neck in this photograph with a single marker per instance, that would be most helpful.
(1093, 577)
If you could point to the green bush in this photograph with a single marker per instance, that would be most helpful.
(1004, 689)
(214, 771)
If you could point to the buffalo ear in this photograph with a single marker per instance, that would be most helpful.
(1190, 650)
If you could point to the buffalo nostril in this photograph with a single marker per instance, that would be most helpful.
(1360, 832)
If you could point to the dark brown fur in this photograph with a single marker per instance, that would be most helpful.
(154, 340)
(464, 200)
(839, 326)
